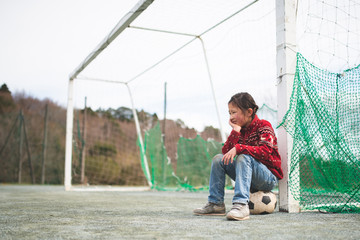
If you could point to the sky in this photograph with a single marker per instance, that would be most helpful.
(42, 42)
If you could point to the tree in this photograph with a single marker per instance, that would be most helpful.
(6, 101)
(4, 88)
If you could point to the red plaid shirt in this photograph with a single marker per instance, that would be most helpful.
(259, 141)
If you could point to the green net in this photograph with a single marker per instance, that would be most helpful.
(191, 168)
(161, 170)
(324, 121)
(194, 161)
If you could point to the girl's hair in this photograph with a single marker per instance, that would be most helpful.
(244, 101)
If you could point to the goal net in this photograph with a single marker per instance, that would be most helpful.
(177, 64)
(324, 113)
(175, 72)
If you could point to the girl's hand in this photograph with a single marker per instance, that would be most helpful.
(229, 156)
(235, 127)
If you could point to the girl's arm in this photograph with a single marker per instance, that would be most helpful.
(233, 138)
(265, 151)
(231, 141)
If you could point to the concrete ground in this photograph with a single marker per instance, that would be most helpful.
(49, 212)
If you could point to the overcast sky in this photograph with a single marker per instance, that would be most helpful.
(42, 42)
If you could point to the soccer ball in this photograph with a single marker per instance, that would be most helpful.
(262, 202)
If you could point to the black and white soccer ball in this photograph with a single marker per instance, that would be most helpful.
(262, 202)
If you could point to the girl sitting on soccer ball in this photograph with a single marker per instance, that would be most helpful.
(249, 156)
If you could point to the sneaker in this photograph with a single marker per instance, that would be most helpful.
(211, 209)
(238, 212)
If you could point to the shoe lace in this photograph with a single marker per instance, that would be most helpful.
(238, 206)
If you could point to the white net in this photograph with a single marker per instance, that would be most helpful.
(230, 47)
(166, 44)
(328, 33)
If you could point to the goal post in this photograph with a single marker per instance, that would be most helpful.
(286, 61)
(69, 135)
(315, 86)
(123, 24)
(286, 56)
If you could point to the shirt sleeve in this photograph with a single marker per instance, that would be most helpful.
(231, 141)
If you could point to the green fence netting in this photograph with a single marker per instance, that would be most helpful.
(324, 121)
(194, 161)
(160, 167)
(189, 171)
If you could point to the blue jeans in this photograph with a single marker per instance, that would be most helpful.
(246, 171)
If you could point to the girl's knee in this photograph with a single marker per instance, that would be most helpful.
(244, 159)
(217, 158)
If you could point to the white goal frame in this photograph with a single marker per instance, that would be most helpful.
(286, 65)
(286, 60)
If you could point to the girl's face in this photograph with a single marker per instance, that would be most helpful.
(238, 117)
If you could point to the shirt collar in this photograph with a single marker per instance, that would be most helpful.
(251, 126)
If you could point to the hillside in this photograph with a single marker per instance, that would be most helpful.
(109, 146)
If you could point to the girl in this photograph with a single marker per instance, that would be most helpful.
(249, 156)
